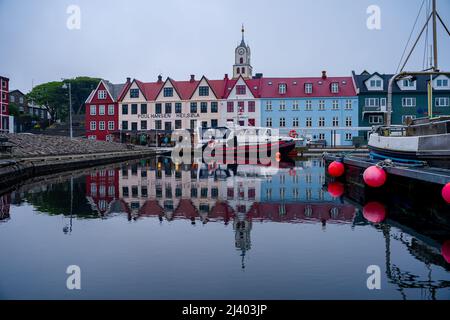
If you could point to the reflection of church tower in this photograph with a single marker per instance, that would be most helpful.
(242, 65)
(242, 228)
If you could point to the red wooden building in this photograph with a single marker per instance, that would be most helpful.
(4, 102)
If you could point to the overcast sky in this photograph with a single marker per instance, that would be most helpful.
(176, 38)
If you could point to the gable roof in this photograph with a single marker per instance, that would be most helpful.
(209, 84)
(114, 90)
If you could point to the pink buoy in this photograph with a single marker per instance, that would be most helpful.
(336, 169)
(374, 212)
(445, 250)
(374, 176)
(446, 192)
(336, 189)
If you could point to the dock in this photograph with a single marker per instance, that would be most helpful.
(426, 174)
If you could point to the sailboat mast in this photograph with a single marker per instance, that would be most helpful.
(435, 49)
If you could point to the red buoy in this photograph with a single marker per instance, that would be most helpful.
(374, 212)
(445, 250)
(374, 176)
(446, 192)
(336, 189)
(336, 169)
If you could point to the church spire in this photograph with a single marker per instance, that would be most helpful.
(242, 41)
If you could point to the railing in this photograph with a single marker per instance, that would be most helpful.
(374, 109)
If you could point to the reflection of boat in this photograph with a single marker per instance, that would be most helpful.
(246, 142)
(425, 139)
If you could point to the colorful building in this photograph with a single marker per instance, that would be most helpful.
(4, 102)
(102, 111)
(322, 108)
(409, 98)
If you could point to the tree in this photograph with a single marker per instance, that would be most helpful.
(81, 88)
(52, 97)
(13, 109)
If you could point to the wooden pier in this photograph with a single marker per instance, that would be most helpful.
(425, 174)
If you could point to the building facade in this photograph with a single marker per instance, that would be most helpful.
(409, 98)
(102, 111)
(4, 102)
(323, 108)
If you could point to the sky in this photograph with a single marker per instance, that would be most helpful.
(143, 38)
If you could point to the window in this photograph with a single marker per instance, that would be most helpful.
(282, 88)
(134, 108)
(282, 105)
(124, 109)
(178, 107)
(143, 124)
(269, 122)
(203, 91)
(124, 125)
(334, 87)
(241, 107)
(269, 105)
(101, 94)
(158, 125)
(230, 106)
(407, 83)
(214, 123)
(134, 126)
(321, 136)
(93, 125)
(193, 107)
(12, 99)
(168, 126)
(375, 83)
(158, 108)
(308, 87)
(295, 105)
(348, 105)
(240, 89)
(407, 118)
(442, 102)
(168, 92)
(214, 107)
(309, 122)
(93, 110)
(193, 124)
(143, 108)
(442, 82)
(134, 93)
(348, 121)
(204, 124)
(335, 105)
(295, 122)
(348, 136)
(21, 100)
(251, 122)
(111, 110)
(335, 122)
(203, 107)
(308, 105)
(321, 122)
(101, 110)
(408, 102)
(251, 106)
(101, 125)
(168, 108)
(177, 124)
(110, 125)
(321, 105)
(372, 102)
(282, 122)
(375, 119)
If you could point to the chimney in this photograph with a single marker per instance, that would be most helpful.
(159, 78)
(324, 75)
(128, 79)
(226, 76)
(192, 78)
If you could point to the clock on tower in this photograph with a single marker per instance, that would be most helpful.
(242, 66)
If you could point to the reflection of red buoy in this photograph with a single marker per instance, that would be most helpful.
(374, 212)
(374, 176)
(336, 189)
(445, 250)
(446, 192)
(336, 169)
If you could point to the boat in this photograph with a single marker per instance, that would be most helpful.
(244, 142)
(423, 141)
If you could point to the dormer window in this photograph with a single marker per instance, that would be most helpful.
(282, 88)
(334, 87)
(308, 87)
(134, 93)
(440, 83)
(375, 83)
(240, 89)
(407, 83)
(101, 94)
(168, 92)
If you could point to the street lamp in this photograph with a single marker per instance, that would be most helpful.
(65, 86)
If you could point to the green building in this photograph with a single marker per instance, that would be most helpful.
(409, 98)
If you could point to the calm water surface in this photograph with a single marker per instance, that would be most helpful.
(153, 230)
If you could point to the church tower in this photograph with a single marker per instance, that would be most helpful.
(242, 65)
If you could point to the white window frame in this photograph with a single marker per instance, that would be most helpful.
(348, 104)
(110, 109)
(269, 105)
(408, 102)
(372, 102)
(93, 125)
(308, 105)
(335, 87)
(404, 117)
(321, 122)
(308, 88)
(445, 103)
(101, 125)
(295, 122)
(379, 117)
(335, 104)
(93, 110)
(348, 136)
(321, 105)
(282, 122)
(295, 105)
(282, 88)
(335, 122)
(101, 110)
(269, 122)
(111, 125)
(101, 94)
(308, 122)
(282, 105)
(348, 121)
